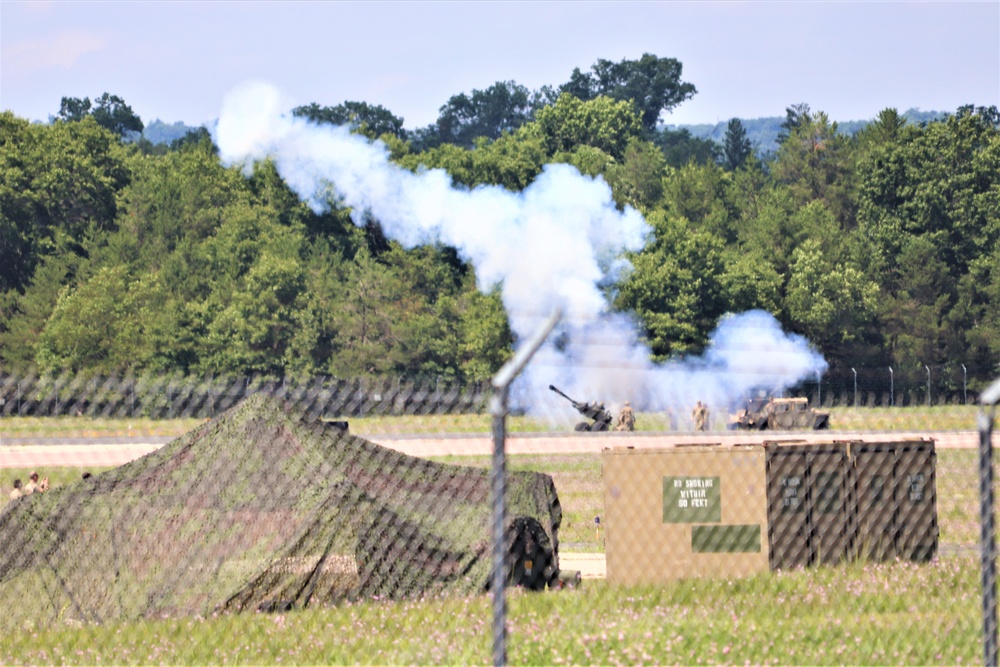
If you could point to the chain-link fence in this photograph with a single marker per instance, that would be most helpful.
(304, 521)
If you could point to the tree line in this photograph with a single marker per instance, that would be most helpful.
(882, 248)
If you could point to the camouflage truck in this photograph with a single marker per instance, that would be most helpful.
(779, 414)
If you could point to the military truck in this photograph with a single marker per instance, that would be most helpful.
(779, 414)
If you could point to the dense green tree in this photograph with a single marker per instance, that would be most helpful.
(175, 198)
(887, 128)
(257, 278)
(830, 302)
(74, 109)
(56, 183)
(940, 181)
(512, 161)
(816, 163)
(681, 147)
(109, 111)
(651, 84)
(698, 193)
(675, 286)
(371, 120)
(972, 326)
(601, 123)
(796, 116)
(197, 136)
(750, 281)
(502, 108)
(914, 309)
(23, 316)
(101, 324)
(638, 180)
(486, 342)
(883, 248)
(368, 342)
(736, 147)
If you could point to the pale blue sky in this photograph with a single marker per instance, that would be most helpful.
(176, 60)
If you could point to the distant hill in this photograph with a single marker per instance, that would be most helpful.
(763, 132)
(158, 132)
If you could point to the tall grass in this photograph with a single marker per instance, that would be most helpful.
(860, 614)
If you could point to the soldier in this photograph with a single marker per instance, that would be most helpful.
(700, 416)
(35, 485)
(626, 420)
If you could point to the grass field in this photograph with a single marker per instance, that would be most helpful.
(857, 613)
(933, 418)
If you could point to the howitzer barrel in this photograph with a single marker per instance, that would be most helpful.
(575, 404)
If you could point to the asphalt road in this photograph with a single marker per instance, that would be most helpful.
(113, 451)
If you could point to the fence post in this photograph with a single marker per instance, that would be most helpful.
(987, 541)
(498, 408)
(965, 394)
(928, 369)
(892, 389)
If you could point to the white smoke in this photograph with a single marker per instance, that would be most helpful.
(552, 245)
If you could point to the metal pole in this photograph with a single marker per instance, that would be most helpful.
(892, 389)
(965, 393)
(819, 389)
(855, 387)
(987, 541)
(927, 368)
(498, 408)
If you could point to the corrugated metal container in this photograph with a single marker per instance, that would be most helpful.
(708, 510)
(809, 518)
(896, 501)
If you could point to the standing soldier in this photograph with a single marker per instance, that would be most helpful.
(626, 420)
(700, 417)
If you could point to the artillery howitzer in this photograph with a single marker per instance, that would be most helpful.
(600, 418)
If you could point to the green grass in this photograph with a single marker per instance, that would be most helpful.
(857, 614)
(49, 427)
(934, 418)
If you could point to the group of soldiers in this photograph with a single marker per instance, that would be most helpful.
(34, 485)
(699, 417)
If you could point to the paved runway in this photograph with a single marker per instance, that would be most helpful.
(113, 451)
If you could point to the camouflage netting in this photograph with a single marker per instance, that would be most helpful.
(263, 509)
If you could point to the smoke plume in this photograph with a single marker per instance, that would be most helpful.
(550, 246)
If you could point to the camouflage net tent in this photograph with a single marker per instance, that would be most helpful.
(262, 509)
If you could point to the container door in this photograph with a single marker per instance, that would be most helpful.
(874, 479)
(830, 536)
(787, 519)
(916, 497)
